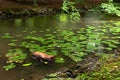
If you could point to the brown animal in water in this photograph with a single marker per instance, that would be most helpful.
(42, 57)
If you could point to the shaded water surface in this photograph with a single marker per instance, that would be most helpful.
(37, 26)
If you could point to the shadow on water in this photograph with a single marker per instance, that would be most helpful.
(39, 25)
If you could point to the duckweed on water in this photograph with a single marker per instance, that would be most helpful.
(7, 36)
(72, 43)
(27, 64)
(12, 44)
(16, 56)
(10, 66)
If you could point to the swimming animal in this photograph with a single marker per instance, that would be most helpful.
(42, 57)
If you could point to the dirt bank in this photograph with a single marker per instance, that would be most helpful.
(18, 8)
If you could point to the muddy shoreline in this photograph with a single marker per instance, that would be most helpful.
(17, 9)
(17, 13)
(91, 63)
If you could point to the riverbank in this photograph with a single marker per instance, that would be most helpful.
(15, 13)
(10, 8)
(100, 67)
(14, 9)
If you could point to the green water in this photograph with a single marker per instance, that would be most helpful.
(39, 26)
(21, 27)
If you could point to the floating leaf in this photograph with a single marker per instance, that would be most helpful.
(12, 44)
(10, 66)
(108, 48)
(59, 60)
(27, 64)
(7, 35)
(16, 56)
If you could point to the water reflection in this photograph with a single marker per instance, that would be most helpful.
(40, 26)
(19, 28)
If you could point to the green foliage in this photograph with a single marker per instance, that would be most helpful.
(59, 60)
(69, 7)
(41, 45)
(7, 36)
(27, 64)
(72, 43)
(109, 70)
(9, 66)
(111, 8)
(12, 44)
(16, 56)
(63, 17)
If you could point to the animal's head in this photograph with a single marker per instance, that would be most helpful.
(51, 59)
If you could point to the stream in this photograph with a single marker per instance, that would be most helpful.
(39, 26)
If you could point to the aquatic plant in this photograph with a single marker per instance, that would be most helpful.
(72, 43)
(10, 66)
(14, 56)
(59, 60)
(12, 44)
(7, 36)
(27, 64)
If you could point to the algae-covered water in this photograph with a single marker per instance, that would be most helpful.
(39, 26)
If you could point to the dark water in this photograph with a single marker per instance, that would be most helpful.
(38, 26)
